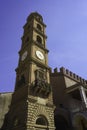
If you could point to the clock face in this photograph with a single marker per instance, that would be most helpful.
(24, 55)
(39, 55)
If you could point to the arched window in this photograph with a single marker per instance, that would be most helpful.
(41, 120)
(39, 40)
(39, 27)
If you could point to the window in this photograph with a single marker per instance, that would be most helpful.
(41, 120)
(38, 27)
(39, 40)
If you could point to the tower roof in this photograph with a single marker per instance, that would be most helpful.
(35, 15)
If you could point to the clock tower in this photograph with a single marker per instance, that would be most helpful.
(32, 103)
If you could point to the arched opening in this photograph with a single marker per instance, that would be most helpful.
(39, 40)
(80, 122)
(61, 123)
(84, 126)
(39, 27)
(41, 123)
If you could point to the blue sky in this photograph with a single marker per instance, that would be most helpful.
(66, 22)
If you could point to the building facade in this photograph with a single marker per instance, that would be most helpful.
(43, 99)
(70, 99)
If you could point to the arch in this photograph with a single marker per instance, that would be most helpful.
(39, 27)
(61, 123)
(39, 40)
(41, 120)
(40, 112)
(80, 121)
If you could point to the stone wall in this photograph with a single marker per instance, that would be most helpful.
(5, 100)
